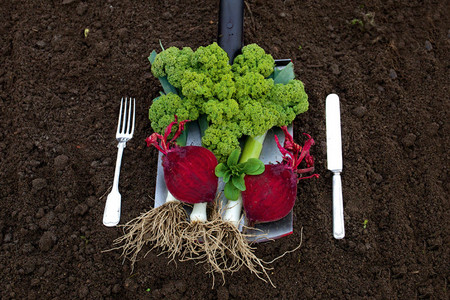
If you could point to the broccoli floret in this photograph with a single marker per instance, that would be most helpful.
(212, 60)
(220, 112)
(222, 139)
(172, 63)
(163, 109)
(196, 85)
(253, 85)
(225, 88)
(165, 58)
(183, 62)
(288, 100)
(253, 59)
(255, 118)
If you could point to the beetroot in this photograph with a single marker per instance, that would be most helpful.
(271, 195)
(189, 170)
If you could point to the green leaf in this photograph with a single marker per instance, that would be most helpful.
(253, 166)
(152, 56)
(221, 169)
(182, 138)
(231, 192)
(261, 170)
(285, 75)
(234, 157)
(274, 73)
(203, 124)
(227, 176)
(239, 168)
(167, 87)
(239, 182)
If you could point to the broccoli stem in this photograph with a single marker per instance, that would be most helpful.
(252, 149)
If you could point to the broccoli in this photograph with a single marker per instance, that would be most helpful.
(164, 108)
(222, 139)
(221, 112)
(253, 59)
(238, 100)
(196, 85)
(253, 85)
(213, 61)
(225, 88)
(172, 63)
(288, 100)
(256, 118)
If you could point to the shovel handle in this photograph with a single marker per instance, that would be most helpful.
(231, 27)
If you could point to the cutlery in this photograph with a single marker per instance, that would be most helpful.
(125, 130)
(334, 161)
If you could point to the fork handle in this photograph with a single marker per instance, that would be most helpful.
(120, 147)
(111, 215)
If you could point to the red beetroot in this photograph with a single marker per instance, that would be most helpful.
(271, 195)
(189, 170)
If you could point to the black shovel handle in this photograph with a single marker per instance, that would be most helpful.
(231, 27)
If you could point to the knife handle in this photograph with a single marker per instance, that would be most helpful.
(338, 207)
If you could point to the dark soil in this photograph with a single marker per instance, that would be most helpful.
(60, 95)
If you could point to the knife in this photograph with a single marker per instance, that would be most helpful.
(334, 161)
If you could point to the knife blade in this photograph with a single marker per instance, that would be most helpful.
(334, 161)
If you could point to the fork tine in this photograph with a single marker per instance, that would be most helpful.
(124, 120)
(129, 117)
(120, 117)
(134, 115)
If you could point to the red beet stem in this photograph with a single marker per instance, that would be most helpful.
(294, 154)
(163, 145)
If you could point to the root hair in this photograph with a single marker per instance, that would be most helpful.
(161, 227)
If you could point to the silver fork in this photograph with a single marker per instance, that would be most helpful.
(125, 130)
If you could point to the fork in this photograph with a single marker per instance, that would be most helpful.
(125, 130)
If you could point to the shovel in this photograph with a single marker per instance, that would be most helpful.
(231, 39)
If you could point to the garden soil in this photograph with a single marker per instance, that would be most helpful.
(64, 67)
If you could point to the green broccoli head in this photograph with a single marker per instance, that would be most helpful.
(196, 85)
(221, 112)
(225, 88)
(172, 63)
(237, 100)
(183, 62)
(253, 85)
(163, 109)
(253, 59)
(165, 58)
(212, 60)
(288, 101)
(222, 139)
(255, 118)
